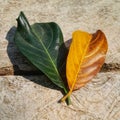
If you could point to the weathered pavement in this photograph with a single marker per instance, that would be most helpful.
(29, 96)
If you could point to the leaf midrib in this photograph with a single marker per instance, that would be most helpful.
(46, 52)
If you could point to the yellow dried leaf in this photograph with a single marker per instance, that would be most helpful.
(85, 58)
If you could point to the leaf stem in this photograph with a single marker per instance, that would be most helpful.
(67, 98)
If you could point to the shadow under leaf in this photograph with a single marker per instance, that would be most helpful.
(21, 66)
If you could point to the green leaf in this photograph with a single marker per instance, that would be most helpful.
(43, 45)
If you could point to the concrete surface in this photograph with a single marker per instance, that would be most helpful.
(22, 98)
(33, 97)
(69, 14)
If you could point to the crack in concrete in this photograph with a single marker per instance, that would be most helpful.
(107, 67)
(14, 70)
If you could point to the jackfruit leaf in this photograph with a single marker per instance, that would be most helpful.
(85, 58)
(42, 44)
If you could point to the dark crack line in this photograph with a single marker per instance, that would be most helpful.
(14, 70)
(110, 67)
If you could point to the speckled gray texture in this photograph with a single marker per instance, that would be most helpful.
(35, 98)
(70, 15)
(22, 99)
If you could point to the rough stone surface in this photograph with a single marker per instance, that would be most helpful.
(69, 14)
(22, 99)
(34, 97)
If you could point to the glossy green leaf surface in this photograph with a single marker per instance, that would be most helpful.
(43, 45)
